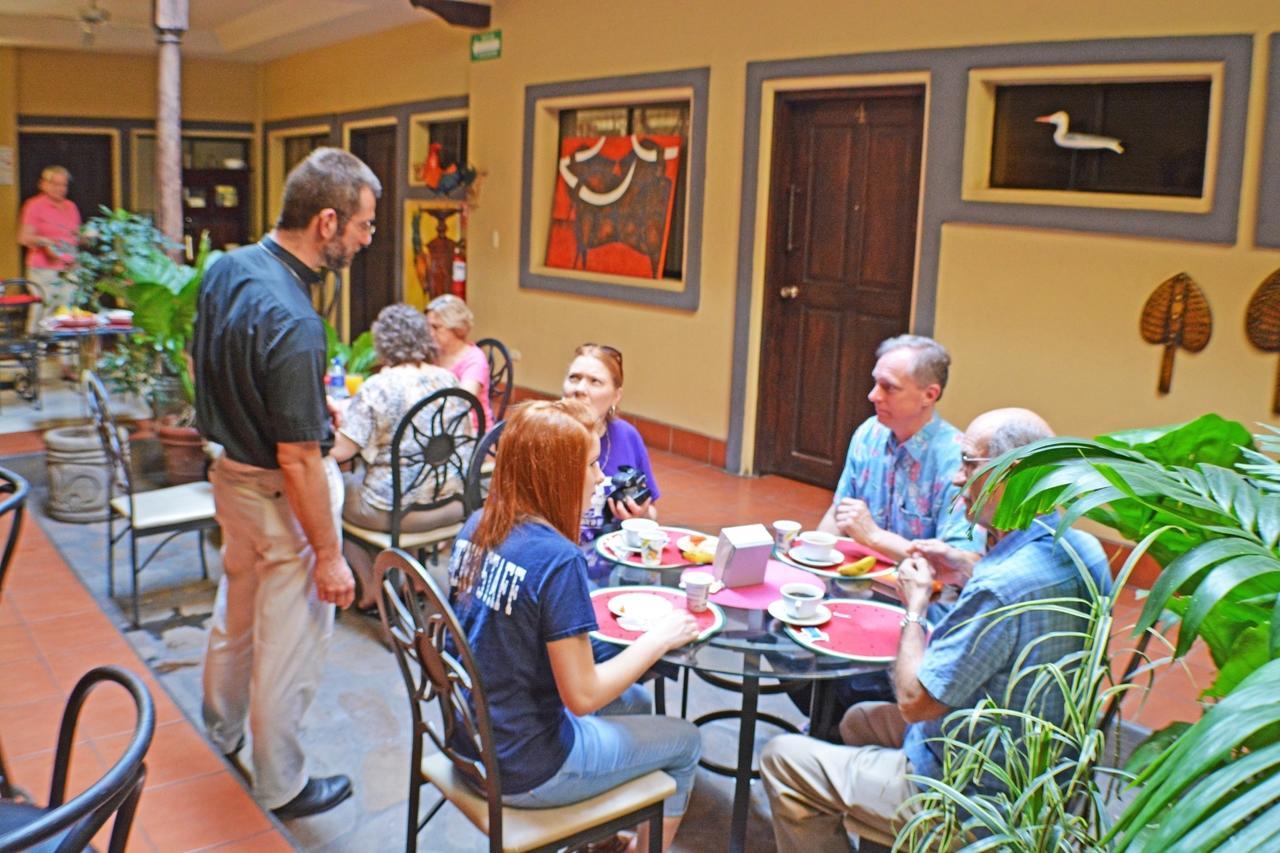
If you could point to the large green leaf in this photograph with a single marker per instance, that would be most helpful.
(1153, 745)
(1249, 652)
(1208, 745)
(1210, 439)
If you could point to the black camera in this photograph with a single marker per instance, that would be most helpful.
(627, 483)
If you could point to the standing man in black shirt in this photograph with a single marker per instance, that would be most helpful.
(259, 356)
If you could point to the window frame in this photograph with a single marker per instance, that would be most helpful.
(543, 105)
(980, 128)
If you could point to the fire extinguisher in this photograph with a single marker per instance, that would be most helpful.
(458, 286)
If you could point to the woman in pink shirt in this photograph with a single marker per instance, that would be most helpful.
(450, 320)
(47, 227)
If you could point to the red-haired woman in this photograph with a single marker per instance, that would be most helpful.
(566, 728)
(595, 378)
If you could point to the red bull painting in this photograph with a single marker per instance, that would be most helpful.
(611, 212)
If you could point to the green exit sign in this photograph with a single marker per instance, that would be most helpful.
(486, 46)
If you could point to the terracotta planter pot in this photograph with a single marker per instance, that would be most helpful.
(184, 458)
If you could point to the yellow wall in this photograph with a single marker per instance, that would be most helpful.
(10, 253)
(105, 85)
(978, 265)
(412, 63)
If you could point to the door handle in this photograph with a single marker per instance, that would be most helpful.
(791, 291)
(792, 189)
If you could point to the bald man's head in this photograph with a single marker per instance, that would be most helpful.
(989, 435)
(998, 431)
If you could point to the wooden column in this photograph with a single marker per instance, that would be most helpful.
(170, 21)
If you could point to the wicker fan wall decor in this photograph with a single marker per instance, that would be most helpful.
(1262, 324)
(1176, 315)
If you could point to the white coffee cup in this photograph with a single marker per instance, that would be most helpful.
(802, 598)
(696, 587)
(784, 533)
(633, 527)
(816, 545)
(651, 544)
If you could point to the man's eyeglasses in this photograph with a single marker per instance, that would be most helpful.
(973, 461)
(370, 227)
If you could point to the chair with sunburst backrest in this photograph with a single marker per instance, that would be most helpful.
(167, 512)
(437, 665)
(431, 450)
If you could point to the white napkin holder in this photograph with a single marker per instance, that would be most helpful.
(742, 554)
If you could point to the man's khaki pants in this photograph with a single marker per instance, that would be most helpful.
(821, 792)
(270, 631)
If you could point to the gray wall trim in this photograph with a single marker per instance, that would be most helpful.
(131, 123)
(948, 69)
(1269, 182)
(687, 299)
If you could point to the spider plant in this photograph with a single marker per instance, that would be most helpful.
(1012, 778)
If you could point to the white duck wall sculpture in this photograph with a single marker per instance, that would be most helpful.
(1082, 141)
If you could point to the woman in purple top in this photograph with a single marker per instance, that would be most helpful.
(450, 320)
(595, 377)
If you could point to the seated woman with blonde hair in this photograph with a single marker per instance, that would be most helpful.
(451, 320)
(407, 354)
(566, 728)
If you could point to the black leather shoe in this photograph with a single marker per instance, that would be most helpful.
(318, 796)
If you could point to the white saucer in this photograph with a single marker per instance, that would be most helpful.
(778, 610)
(834, 558)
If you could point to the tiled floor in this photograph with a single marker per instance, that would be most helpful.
(51, 630)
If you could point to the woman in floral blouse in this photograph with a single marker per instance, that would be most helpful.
(407, 353)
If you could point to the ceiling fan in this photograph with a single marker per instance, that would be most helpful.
(459, 13)
(89, 17)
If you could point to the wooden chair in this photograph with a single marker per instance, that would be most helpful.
(430, 451)
(167, 512)
(501, 376)
(69, 825)
(13, 506)
(437, 665)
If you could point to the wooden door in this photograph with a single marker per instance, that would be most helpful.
(374, 280)
(839, 268)
(87, 156)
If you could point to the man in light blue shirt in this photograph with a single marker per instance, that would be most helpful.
(897, 486)
(896, 493)
(821, 793)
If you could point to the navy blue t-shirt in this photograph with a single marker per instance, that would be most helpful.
(532, 590)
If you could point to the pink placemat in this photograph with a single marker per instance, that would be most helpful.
(709, 621)
(758, 596)
(857, 630)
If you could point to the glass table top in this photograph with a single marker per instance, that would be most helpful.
(752, 643)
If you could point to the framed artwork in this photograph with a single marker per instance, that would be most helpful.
(433, 230)
(611, 210)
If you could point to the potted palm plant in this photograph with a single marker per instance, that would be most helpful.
(130, 262)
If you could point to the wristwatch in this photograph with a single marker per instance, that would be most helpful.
(911, 618)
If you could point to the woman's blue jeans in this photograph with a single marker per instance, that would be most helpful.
(620, 742)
